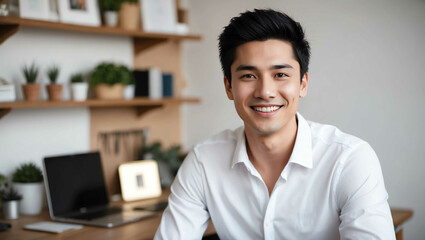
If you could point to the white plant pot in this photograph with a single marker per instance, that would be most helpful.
(111, 18)
(129, 92)
(79, 91)
(32, 197)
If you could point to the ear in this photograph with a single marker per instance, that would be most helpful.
(228, 89)
(304, 86)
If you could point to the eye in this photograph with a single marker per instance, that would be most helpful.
(248, 76)
(280, 75)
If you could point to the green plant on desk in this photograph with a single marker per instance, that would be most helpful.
(27, 173)
(7, 193)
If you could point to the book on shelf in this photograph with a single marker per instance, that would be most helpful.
(153, 83)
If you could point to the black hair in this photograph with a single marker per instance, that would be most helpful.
(261, 25)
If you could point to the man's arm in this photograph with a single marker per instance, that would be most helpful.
(362, 198)
(186, 216)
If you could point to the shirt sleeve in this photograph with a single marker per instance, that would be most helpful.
(362, 198)
(186, 216)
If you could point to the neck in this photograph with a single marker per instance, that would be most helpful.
(272, 151)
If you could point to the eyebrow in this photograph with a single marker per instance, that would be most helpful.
(253, 68)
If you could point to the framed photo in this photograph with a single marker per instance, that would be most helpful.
(158, 16)
(34, 9)
(82, 12)
(139, 180)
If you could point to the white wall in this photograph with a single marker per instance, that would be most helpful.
(366, 77)
(31, 134)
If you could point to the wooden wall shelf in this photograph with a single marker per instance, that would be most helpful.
(10, 25)
(143, 104)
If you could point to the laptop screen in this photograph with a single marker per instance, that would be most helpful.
(75, 183)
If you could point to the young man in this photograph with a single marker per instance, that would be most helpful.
(279, 176)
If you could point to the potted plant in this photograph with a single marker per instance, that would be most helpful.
(53, 89)
(28, 181)
(168, 160)
(10, 199)
(128, 81)
(110, 10)
(108, 81)
(79, 87)
(31, 90)
(129, 14)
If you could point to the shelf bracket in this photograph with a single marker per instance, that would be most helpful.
(143, 44)
(7, 30)
(144, 109)
(4, 111)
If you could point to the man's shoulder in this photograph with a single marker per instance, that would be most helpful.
(332, 135)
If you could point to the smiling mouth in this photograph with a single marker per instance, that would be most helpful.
(266, 109)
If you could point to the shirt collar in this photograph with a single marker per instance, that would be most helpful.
(301, 153)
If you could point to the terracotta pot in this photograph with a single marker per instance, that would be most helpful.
(104, 91)
(31, 91)
(129, 16)
(55, 92)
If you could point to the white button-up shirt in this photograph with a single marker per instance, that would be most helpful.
(331, 188)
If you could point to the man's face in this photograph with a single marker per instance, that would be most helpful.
(266, 85)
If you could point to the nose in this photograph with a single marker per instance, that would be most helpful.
(265, 88)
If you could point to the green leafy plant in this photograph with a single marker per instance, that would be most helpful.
(110, 5)
(172, 156)
(77, 78)
(53, 73)
(110, 74)
(30, 73)
(8, 193)
(127, 75)
(27, 173)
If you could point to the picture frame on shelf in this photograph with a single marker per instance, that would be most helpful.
(80, 12)
(34, 9)
(159, 16)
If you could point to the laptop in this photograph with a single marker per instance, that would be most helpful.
(76, 192)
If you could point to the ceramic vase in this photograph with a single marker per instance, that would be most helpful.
(129, 16)
(32, 197)
(111, 18)
(79, 91)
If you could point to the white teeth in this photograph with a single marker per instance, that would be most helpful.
(266, 109)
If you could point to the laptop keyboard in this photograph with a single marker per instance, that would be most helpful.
(99, 214)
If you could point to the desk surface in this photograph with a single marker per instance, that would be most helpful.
(144, 229)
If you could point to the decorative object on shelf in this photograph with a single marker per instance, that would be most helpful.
(129, 15)
(108, 80)
(110, 9)
(31, 90)
(34, 9)
(148, 83)
(128, 82)
(53, 11)
(79, 88)
(10, 199)
(54, 90)
(168, 160)
(28, 181)
(79, 12)
(4, 11)
(7, 91)
(167, 85)
(158, 16)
